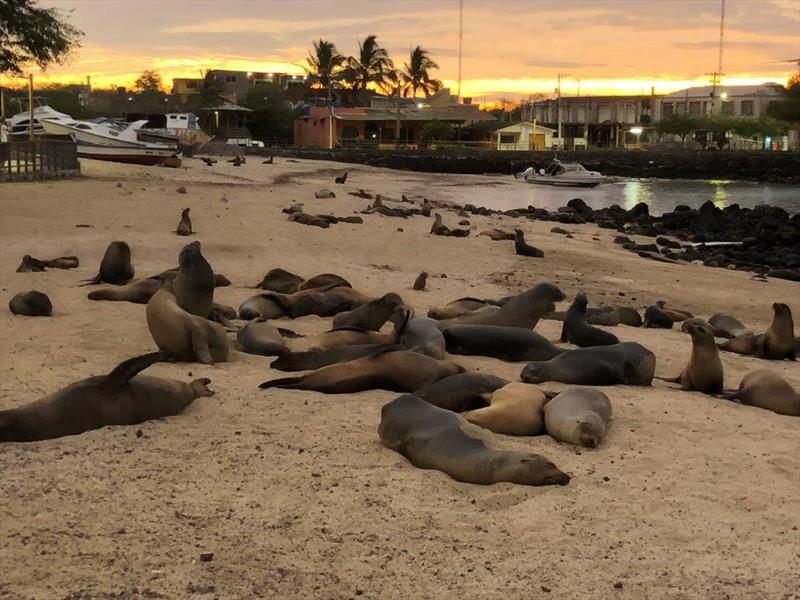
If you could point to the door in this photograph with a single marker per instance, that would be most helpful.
(537, 141)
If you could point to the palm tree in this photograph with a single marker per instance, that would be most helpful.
(416, 74)
(372, 65)
(324, 65)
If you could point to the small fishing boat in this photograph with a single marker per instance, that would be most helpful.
(19, 125)
(562, 174)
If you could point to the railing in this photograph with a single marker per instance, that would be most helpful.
(40, 159)
(229, 132)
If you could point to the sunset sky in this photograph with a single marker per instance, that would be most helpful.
(511, 47)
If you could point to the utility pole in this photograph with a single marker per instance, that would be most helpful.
(460, 41)
(30, 106)
(716, 76)
(558, 106)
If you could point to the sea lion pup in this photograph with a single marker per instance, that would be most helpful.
(138, 292)
(34, 265)
(656, 318)
(185, 225)
(116, 267)
(577, 331)
(425, 211)
(514, 409)
(456, 308)
(464, 391)
(434, 438)
(341, 179)
(523, 310)
(578, 416)
(438, 228)
(627, 362)
(318, 358)
(776, 343)
(506, 343)
(371, 315)
(388, 369)
(420, 281)
(498, 234)
(123, 397)
(194, 284)
(259, 337)
(419, 334)
(523, 248)
(281, 281)
(63, 262)
(703, 373)
(766, 389)
(182, 335)
(324, 280)
(727, 326)
(31, 304)
(260, 305)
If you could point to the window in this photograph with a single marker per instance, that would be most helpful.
(231, 79)
(727, 108)
(191, 85)
(667, 109)
(680, 108)
(747, 108)
(694, 108)
(706, 108)
(508, 138)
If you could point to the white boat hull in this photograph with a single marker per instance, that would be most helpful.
(136, 156)
(563, 181)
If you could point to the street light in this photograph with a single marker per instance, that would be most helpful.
(637, 131)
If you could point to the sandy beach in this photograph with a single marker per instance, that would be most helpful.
(689, 496)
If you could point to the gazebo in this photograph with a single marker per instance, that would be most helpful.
(227, 120)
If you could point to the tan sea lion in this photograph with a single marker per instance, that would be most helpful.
(115, 267)
(498, 234)
(138, 292)
(514, 409)
(460, 392)
(420, 334)
(185, 225)
(123, 397)
(371, 315)
(318, 358)
(766, 389)
(577, 331)
(434, 438)
(578, 416)
(194, 284)
(776, 343)
(456, 308)
(182, 335)
(31, 304)
(388, 369)
(259, 337)
(344, 336)
(727, 326)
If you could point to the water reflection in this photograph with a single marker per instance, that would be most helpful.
(637, 191)
(720, 193)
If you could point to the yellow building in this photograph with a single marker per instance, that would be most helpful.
(524, 136)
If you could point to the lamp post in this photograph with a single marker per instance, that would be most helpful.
(637, 131)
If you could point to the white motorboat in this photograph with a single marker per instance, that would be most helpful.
(19, 125)
(562, 174)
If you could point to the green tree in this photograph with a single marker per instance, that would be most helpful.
(149, 82)
(416, 73)
(371, 66)
(678, 124)
(33, 35)
(718, 126)
(434, 131)
(788, 107)
(273, 115)
(763, 126)
(324, 66)
(211, 92)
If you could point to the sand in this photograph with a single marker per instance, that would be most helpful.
(688, 497)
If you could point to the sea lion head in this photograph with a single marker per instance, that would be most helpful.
(200, 388)
(534, 373)
(700, 334)
(782, 310)
(581, 301)
(185, 212)
(189, 254)
(532, 469)
(660, 303)
(591, 430)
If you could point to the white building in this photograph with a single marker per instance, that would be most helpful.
(733, 101)
(524, 136)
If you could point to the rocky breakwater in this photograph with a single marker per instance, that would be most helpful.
(764, 239)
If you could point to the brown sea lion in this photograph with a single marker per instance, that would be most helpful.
(514, 409)
(505, 343)
(626, 363)
(656, 318)
(577, 331)
(138, 292)
(323, 302)
(344, 336)
(318, 358)
(629, 316)
(259, 337)
(420, 281)
(281, 281)
(766, 389)
(123, 397)
(388, 369)
(420, 334)
(522, 248)
(30, 264)
(727, 326)
(523, 310)
(498, 234)
(116, 267)
(434, 438)
(182, 335)
(438, 228)
(63, 262)
(185, 225)
(194, 284)
(31, 304)
(578, 416)
(456, 308)
(324, 280)
(460, 392)
(371, 315)
(776, 343)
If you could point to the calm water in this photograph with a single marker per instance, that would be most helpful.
(662, 195)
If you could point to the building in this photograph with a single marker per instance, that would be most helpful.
(733, 101)
(184, 88)
(235, 84)
(524, 136)
(376, 124)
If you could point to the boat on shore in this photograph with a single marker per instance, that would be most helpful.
(562, 175)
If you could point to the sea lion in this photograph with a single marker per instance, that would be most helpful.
(371, 315)
(318, 358)
(138, 292)
(766, 389)
(387, 369)
(506, 343)
(498, 234)
(776, 343)
(324, 280)
(629, 316)
(30, 264)
(434, 438)
(185, 225)
(420, 281)
(727, 326)
(116, 267)
(460, 392)
(514, 409)
(425, 211)
(578, 416)
(259, 337)
(627, 362)
(656, 318)
(194, 284)
(421, 335)
(182, 335)
(123, 397)
(607, 316)
(260, 306)
(63, 262)
(685, 325)
(313, 220)
(676, 314)
(456, 308)
(438, 228)
(281, 281)
(323, 302)
(31, 304)
(703, 373)
(577, 331)
(344, 336)
(522, 248)
(523, 310)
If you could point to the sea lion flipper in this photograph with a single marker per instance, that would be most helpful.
(128, 369)
(200, 344)
(288, 333)
(284, 382)
(676, 379)
(93, 281)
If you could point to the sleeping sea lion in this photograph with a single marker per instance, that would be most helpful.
(506, 343)
(115, 267)
(727, 326)
(629, 316)
(498, 234)
(456, 308)
(185, 225)
(460, 392)
(434, 438)
(322, 281)
(766, 389)
(578, 416)
(281, 281)
(514, 409)
(776, 343)
(30, 264)
(194, 284)
(656, 318)
(627, 362)
(31, 304)
(371, 315)
(259, 337)
(123, 397)
(387, 369)
(577, 331)
(182, 335)
(422, 335)
(316, 359)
